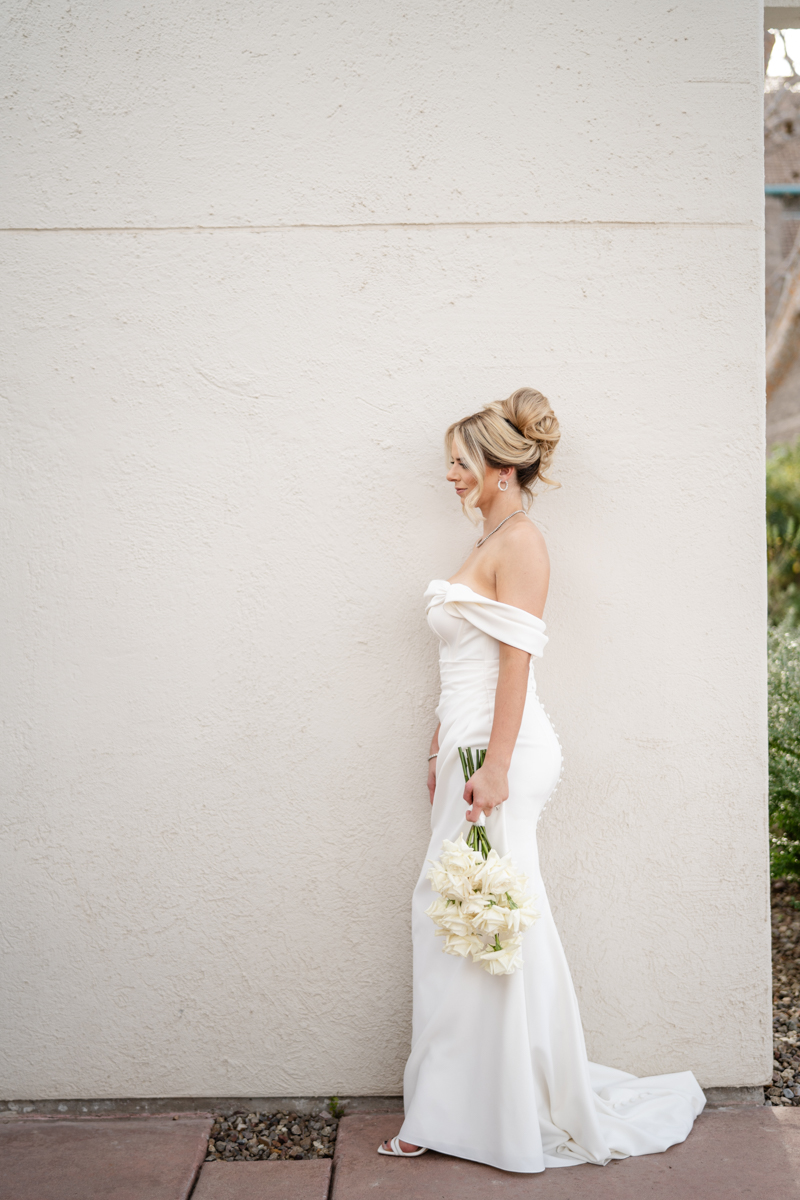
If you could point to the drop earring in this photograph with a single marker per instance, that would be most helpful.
(502, 485)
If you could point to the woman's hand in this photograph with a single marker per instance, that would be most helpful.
(487, 788)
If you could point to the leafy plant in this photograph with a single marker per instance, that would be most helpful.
(784, 749)
(783, 532)
(335, 1107)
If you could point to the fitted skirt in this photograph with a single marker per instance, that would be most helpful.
(498, 1071)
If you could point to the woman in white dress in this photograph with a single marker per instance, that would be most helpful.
(498, 1071)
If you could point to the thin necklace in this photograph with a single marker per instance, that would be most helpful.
(508, 518)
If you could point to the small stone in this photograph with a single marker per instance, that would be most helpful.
(296, 1130)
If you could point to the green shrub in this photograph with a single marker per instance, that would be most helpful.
(784, 749)
(783, 532)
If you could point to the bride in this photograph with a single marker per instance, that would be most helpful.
(498, 1071)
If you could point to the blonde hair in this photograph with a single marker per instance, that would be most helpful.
(520, 432)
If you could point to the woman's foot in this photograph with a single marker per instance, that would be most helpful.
(398, 1149)
(406, 1147)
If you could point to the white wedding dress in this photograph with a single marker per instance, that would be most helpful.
(498, 1071)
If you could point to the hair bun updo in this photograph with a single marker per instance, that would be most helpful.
(530, 412)
(520, 432)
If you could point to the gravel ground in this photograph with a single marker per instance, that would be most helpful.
(238, 1137)
(785, 1087)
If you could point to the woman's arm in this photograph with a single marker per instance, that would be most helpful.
(521, 571)
(432, 762)
(488, 787)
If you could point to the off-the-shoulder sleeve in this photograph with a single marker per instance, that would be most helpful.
(504, 622)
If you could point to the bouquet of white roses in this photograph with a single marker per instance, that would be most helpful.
(482, 897)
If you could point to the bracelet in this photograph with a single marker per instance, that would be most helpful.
(430, 756)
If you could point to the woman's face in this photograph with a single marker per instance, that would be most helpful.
(463, 479)
(459, 474)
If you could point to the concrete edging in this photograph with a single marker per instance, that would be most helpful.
(716, 1097)
(155, 1106)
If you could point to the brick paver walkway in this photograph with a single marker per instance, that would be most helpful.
(101, 1158)
(734, 1154)
(305, 1180)
(743, 1154)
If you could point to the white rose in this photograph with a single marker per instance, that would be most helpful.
(449, 881)
(463, 944)
(459, 887)
(519, 917)
(519, 890)
(496, 875)
(528, 913)
(458, 859)
(453, 886)
(454, 921)
(504, 961)
(438, 877)
(491, 918)
(438, 908)
(475, 905)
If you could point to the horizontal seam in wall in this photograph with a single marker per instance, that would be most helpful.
(379, 225)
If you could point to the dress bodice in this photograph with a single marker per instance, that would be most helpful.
(470, 626)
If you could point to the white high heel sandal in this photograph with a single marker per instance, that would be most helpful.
(396, 1152)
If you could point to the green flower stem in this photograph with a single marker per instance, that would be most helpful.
(476, 838)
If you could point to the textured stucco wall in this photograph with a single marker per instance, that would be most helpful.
(256, 258)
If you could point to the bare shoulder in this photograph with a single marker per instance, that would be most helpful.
(522, 549)
(522, 568)
(525, 537)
